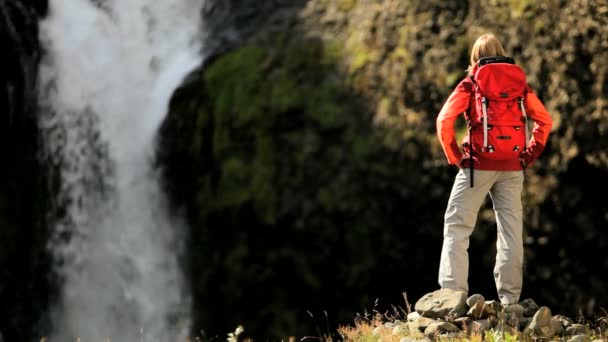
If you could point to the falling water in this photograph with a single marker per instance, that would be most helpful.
(109, 69)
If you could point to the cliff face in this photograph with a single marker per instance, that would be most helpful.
(23, 258)
(304, 154)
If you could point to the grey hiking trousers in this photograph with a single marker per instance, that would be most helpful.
(505, 189)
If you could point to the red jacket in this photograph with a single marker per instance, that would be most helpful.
(458, 103)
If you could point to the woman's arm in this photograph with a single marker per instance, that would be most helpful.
(456, 104)
(540, 132)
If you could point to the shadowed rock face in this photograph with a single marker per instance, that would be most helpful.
(400, 59)
(228, 23)
(25, 264)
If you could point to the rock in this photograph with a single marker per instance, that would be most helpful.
(524, 322)
(480, 326)
(491, 308)
(412, 316)
(400, 329)
(421, 323)
(442, 303)
(509, 319)
(530, 307)
(564, 321)
(515, 310)
(558, 329)
(541, 326)
(440, 327)
(576, 329)
(462, 322)
(578, 338)
(474, 299)
(476, 310)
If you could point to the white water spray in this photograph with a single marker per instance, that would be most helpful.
(109, 71)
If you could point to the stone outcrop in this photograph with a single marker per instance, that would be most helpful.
(516, 319)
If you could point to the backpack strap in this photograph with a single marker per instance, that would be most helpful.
(495, 59)
(523, 112)
(484, 118)
(471, 92)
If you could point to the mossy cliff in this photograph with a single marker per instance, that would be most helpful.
(287, 187)
(304, 155)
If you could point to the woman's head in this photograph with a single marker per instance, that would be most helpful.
(486, 45)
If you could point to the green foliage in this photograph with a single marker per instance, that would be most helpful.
(247, 101)
(298, 201)
(347, 5)
(284, 157)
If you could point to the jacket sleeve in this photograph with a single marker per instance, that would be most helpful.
(456, 104)
(540, 132)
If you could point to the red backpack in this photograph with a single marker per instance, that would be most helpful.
(497, 120)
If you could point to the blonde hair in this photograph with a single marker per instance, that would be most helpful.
(486, 45)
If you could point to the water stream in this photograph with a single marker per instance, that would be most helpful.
(109, 69)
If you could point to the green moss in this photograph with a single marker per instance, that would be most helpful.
(452, 78)
(361, 149)
(284, 94)
(233, 184)
(360, 55)
(520, 7)
(262, 183)
(403, 55)
(347, 5)
(232, 82)
(333, 53)
(250, 89)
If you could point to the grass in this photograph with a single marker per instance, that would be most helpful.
(394, 327)
(382, 330)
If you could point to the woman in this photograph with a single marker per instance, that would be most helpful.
(502, 179)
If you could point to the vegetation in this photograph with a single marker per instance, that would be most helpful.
(283, 161)
(305, 160)
(308, 166)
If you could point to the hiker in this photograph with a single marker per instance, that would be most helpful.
(492, 159)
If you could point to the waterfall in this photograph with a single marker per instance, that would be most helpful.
(109, 69)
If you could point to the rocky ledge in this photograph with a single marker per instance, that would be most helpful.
(448, 313)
